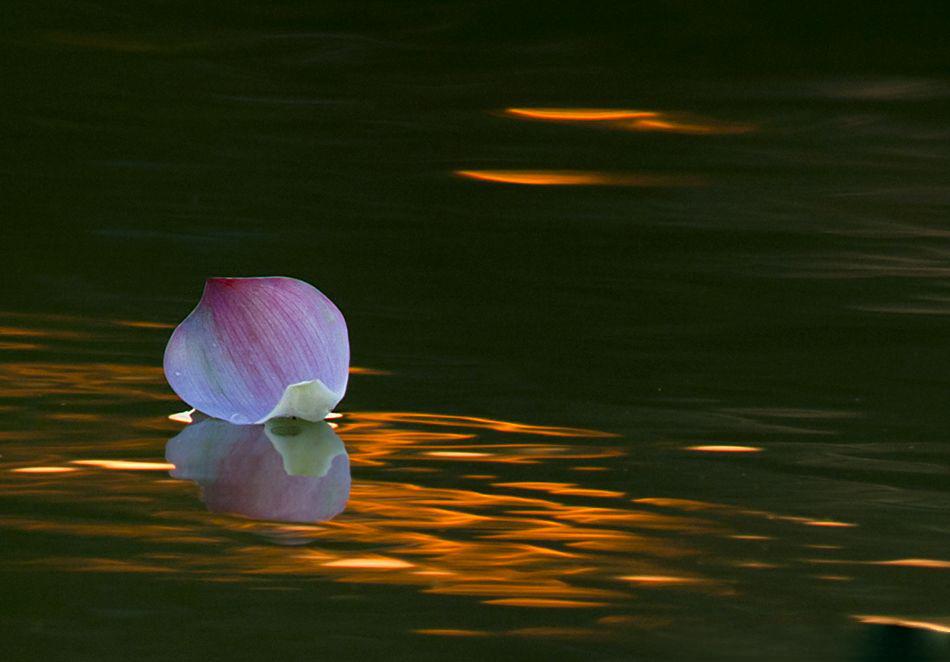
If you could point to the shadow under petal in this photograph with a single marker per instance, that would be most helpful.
(286, 470)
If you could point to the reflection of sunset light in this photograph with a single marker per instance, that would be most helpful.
(19, 346)
(831, 524)
(136, 324)
(112, 380)
(633, 120)
(444, 632)
(369, 563)
(478, 423)
(357, 370)
(659, 579)
(724, 449)
(44, 470)
(578, 114)
(687, 126)
(568, 489)
(544, 603)
(942, 627)
(456, 454)
(514, 544)
(915, 563)
(51, 334)
(577, 178)
(125, 465)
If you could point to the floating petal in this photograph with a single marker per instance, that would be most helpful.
(287, 471)
(259, 348)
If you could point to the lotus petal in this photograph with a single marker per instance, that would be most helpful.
(258, 348)
(287, 471)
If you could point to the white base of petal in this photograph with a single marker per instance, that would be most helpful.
(310, 400)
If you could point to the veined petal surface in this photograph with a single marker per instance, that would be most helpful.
(256, 348)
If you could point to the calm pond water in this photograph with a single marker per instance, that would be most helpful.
(651, 351)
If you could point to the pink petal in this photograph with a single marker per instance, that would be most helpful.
(290, 472)
(257, 348)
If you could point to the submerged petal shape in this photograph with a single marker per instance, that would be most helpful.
(288, 471)
(258, 348)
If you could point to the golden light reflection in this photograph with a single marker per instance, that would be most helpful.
(455, 455)
(542, 603)
(370, 563)
(829, 524)
(687, 125)
(579, 178)
(941, 626)
(567, 489)
(139, 324)
(695, 505)
(125, 465)
(19, 346)
(358, 370)
(661, 580)
(633, 120)
(712, 448)
(447, 632)
(45, 333)
(508, 427)
(579, 114)
(106, 380)
(529, 540)
(915, 563)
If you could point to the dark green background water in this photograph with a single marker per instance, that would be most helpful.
(797, 302)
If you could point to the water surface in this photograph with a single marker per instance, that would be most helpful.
(650, 360)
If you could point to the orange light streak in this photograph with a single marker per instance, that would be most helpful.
(567, 489)
(125, 465)
(915, 563)
(478, 423)
(369, 563)
(578, 114)
(543, 603)
(578, 178)
(357, 370)
(664, 580)
(445, 632)
(724, 449)
(633, 120)
(137, 324)
(933, 626)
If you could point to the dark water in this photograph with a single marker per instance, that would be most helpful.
(665, 384)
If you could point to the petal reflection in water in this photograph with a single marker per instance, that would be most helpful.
(286, 470)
